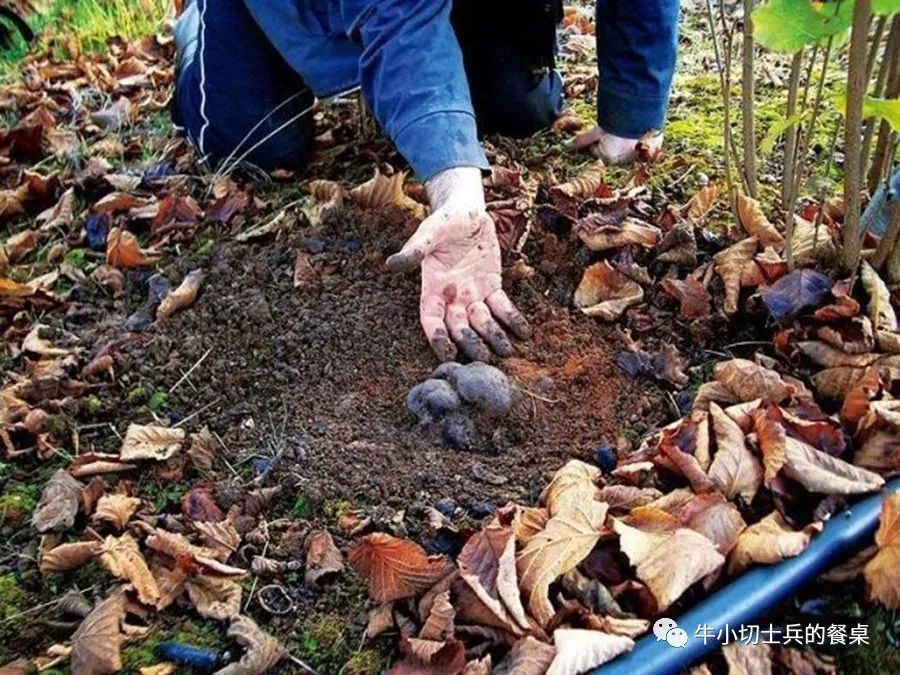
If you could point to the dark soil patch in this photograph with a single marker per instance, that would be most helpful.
(332, 363)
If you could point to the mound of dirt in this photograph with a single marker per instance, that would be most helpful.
(332, 361)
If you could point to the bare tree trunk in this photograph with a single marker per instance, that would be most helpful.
(856, 89)
(880, 82)
(881, 156)
(804, 137)
(747, 101)
(790, 135)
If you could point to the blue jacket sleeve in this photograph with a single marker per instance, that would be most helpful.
(412, 74)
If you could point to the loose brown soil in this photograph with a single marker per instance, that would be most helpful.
(331, 364)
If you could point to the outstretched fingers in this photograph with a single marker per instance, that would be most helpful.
(504, 310)
(466, 339)
(490, 331)
(432, 317)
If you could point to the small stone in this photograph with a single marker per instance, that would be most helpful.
(545, 384)
(480, 510)
(485, 387)
(605, 456)
(138, 322)
(158, 287)
(458, 431)
(447, 371)
(432, 399)
(446, 506)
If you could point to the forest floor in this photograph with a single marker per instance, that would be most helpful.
(315, 372)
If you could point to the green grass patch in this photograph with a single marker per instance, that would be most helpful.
(69, 27)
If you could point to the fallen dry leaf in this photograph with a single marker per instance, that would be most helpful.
(122, 557)
(97, 643)
(715, 518)
(770, 436)
(579, 650)
(809, 246)
(150, 442)
(382, 192)
(323, 559)
(734, 470)
(439, 624)
(606, 293)
(67, 557)
(395, 568)
(202, 452)
(679, 246)
(221, 537)
(748, 659)
(215, 597)
(566, 541)
(487, 564)
(164, 668)
(600, 235)
(701, 203)
(528, 656)
(572, 484)
(181, 297)
(693, 296)
(304, 272)
(880, 310)
(820, 472)
(59, 503)
(21, 244)
(123, 250)
(767, 542)
(381, 619)
(35, 344)
(730, 265)
(115, 509)
(262, 651)
(749, 381)
(883, 571)
(653, 554)
(430, 657)
(583, 185)
(755, 223)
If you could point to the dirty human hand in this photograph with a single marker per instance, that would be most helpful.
(462, 303)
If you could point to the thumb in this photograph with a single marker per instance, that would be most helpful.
(414, 250)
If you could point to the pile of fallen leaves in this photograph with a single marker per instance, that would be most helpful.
(746, 478)
(567, 585)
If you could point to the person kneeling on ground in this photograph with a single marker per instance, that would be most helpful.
(436, 74)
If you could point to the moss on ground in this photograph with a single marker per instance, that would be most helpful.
(16, 504)
(12, 600)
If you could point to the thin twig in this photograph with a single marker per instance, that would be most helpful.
(227, 450)
(790, 136)
(195, 413)
(191, 370)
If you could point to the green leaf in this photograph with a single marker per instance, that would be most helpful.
(790, 25)
(158, 401)
(886, 7)
(777, 129)
(885, 108)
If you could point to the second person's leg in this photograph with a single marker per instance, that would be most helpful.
(637, 43)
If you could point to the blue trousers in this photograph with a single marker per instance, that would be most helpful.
(637, 42)
(243, 101)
